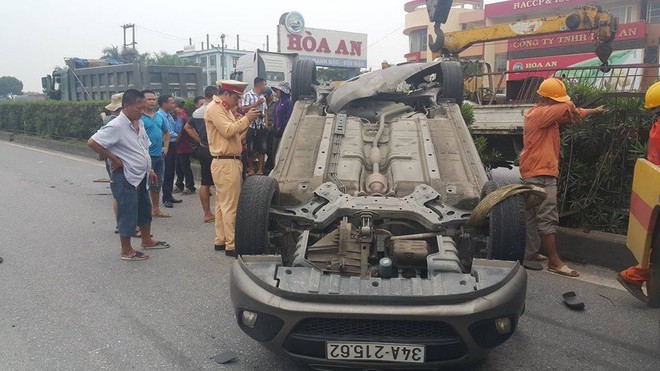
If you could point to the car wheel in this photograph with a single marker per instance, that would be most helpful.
(253, 215)
(302, 78)
(452, 81)
(507, 225)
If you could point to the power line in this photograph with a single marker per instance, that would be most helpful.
(384, 37)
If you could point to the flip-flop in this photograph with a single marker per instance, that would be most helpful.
(138, 256)
(158, 245)
(532, 265)
(564, 271)
(633, 289)
(210, 220)
(162, 215)
(573, 301)
(538, 258)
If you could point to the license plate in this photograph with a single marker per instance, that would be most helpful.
(386, 352)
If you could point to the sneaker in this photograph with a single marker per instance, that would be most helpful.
(188, 191)
(177, 190)
(175, 201)
(633, 289)
(168, 204)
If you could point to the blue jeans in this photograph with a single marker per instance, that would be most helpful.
(158, 166)
(170, 169)
(133, 203)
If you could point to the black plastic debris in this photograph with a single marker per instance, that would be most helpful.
(225, 357)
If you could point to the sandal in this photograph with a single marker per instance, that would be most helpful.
(158, 245)
(538, 258)
(564, 271)
(138, 256)
(161, 215)
(573, 301)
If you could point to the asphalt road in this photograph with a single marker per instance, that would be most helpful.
(68, 302)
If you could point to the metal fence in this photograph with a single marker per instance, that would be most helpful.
(519, 87)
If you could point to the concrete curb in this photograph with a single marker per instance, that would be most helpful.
(594, 247)
(68, 148)
(80, 149)
(598, 248)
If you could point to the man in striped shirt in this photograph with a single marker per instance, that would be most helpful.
(257, 136)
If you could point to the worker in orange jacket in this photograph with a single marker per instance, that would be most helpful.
(634, 277)
(539, 165)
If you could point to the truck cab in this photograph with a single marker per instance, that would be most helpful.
(274, 67)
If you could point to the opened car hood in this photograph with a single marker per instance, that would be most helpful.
(380, 81)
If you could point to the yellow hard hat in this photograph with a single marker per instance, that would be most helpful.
(652, 98)
(554, 89)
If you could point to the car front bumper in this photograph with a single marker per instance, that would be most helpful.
(296, 314)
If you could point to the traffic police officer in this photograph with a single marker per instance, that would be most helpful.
(224, 135)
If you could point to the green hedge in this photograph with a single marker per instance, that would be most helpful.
(52, 119)
(598, 159)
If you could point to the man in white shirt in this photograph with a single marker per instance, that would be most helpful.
(125, 144)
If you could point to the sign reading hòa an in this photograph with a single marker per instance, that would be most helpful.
(327, 48)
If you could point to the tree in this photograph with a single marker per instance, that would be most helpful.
(167, 59)
(125, 55)
(112, 52)
(130, 55)
(10, 85)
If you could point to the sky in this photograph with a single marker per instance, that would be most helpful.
(36, 35)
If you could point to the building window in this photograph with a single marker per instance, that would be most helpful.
(234, 61)
(624, 13)
(202, 61)
(500, 62)
(212, 61)
(418, 41)
(653, 12)
(155, 78)
(213, 77)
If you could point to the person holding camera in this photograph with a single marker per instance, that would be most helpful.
(257, 136)
(224, 132)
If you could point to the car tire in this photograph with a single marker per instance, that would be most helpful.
(452, 81)
(253, 215)
(302, 78)
(507, 226)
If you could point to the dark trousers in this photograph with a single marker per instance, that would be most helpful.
(184, 172)
(273, 143)
(170, 166)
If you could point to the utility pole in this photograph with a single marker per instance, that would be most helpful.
(222, 55)
(132, 27)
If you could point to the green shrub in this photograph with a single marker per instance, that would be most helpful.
(52, 119)
(597, 162)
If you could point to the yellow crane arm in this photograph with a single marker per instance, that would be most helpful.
(602, 23)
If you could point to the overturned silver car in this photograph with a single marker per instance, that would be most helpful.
(355, 251)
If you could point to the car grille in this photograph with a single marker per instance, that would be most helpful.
(333, 327)
(442, 342)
